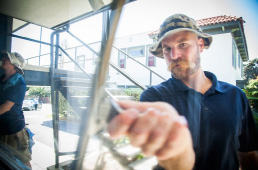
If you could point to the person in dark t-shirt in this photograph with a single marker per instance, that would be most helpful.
(220, 133)
(13, 132)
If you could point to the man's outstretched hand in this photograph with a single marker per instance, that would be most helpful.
(158, 130)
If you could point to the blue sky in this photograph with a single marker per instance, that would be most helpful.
(147, 15)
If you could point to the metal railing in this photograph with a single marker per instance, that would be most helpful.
(113, 65)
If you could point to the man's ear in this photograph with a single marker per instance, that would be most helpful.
(201, 44)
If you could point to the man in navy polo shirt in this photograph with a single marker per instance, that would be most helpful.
(223, 135)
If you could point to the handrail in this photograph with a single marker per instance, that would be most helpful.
(127, 76)
(113, 65)
(86, 45)
(75, 62)
(92, 50)
(139, 62)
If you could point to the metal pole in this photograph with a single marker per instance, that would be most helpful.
(57, 51)
(150, 78)
(75, 57)
(99, 81)
(40, 38)
(54, 113)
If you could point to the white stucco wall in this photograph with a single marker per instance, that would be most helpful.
(218, 59)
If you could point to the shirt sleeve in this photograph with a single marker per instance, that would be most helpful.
(150, 95)
(16, 93)
(249, 135)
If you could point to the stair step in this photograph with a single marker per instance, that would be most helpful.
(75, 88)
(127, 150)
(82, 97)
(66, 81)
(125, 97)
(80, 82)
(116, 91)
(74, 79)
(144, 163)
(68, 73)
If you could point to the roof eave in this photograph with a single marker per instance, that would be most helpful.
(237, 31)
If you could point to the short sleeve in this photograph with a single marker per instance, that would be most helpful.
(150, 95)
(16, 93)
(249, 135)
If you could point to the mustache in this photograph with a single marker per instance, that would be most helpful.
(181, 62)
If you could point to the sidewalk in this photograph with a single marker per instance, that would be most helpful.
(44, 156)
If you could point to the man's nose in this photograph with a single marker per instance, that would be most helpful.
(175, 54)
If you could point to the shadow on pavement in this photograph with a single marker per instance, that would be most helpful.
(65, 126)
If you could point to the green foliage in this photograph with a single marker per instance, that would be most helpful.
(251, 69)
(251, 91)
(66, 110)
(121, 141)
(139, 156)
(64, 107)
(255, 114)
(135, 92)
(252, 87)
(39, 91)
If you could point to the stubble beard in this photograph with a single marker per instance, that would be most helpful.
(186, 68)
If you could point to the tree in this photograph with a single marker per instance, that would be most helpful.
(251, 69)
(251, 91)
(39, 91)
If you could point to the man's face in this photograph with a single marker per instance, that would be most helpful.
(182, 53)
(6, 64)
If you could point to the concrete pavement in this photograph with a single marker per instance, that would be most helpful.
(43, 155)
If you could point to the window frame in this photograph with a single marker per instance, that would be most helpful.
(148, 54)
(136, 47)
(82, 65)
(120, 54)
(234, 54)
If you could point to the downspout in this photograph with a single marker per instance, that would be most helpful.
(52, 82)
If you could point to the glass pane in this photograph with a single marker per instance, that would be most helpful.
(136, 51)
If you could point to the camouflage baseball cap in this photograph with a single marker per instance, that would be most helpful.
(177, 23)
(15, 58)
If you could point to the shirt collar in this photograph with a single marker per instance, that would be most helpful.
(12, 80)
(215, 87)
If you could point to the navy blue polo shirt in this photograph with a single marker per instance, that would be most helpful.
(220, 121)
(12, 121)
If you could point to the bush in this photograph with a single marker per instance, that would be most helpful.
(39, 91)
(255, 114)
(65, 109)
(134, 92)
(251, 91)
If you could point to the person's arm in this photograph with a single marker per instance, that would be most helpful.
(248, 160)
(158, 130)
(6, 107)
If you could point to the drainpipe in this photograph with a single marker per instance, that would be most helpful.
(54, 110)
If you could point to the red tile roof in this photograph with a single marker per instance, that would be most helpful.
(217, 20)
(210, 21)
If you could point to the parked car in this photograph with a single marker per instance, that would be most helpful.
(28, 105)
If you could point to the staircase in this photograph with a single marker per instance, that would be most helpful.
(76, 87)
